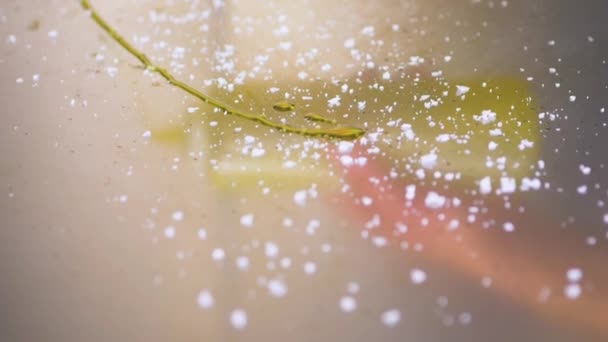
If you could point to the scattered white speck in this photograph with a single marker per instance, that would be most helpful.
(346, 160)
(277, 288)
(247, 220)
(433, 200)
(345, 146)
(461, 90)
(606, 218)
(310, 268)
(508, 227)
(368, 31)
(178, 216)
(334, 101)
(486, 117)
(202, 234)
(170, 232)
(348, 304)
(582, 189)
(53, 34)
(218, 254)
(410, 192)
(349, 43)
(257, 152)
(391, 317)
(485, 185)
(572, 98)
(585, 169)
(417, 276)
(367, 201)
(428, 161)
(242, 263)
(238, 319)
(574, 275)
(205, 299)
(465, 318)
(572, 291)
(507, 185)
(379, 241)
(271, 249)
(147, 134)
(299, 197)
(361, 105)
(524, 144)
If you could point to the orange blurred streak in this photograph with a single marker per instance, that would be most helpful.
(521, 264)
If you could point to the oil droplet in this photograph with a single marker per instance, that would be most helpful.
(284, 106)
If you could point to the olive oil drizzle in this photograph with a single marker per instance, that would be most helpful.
(336, 132)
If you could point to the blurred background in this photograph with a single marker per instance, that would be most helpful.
(473, 209)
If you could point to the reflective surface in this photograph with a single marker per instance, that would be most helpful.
(473, 209)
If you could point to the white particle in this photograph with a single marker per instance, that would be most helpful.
(348, 304)
(486, 117)
(367, 201)
(147, 134)
(507, 185)
(53, 34)
(202, 234)
(257, 152)
(574, 275)
(205, 299)
(285, 262)
(170, 232)
(242, 263)
(465, 318)
(410, 192)
(391, 317)
(310, 268)
(572, 291)
(508, 227)
(238, 319)
(524, 144)
(585, 169)
(417, 276)
(606, 218)
(572, 98)
(178, 216)
(349, 43)
(247, 220)
(361, 105)
(352, 287)
(299, 197)
(271, 249)
(485, 185)
(345, 146)
(277, 288)
(433, 200)
(428, 161)
(368, 31)
(379, 241)
(581, 189)
(461, 90)
(346, 160)
(334, 102)
(218, 254)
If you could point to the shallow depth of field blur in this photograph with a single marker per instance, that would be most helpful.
(474, 208)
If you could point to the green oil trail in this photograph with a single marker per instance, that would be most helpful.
(346, 133)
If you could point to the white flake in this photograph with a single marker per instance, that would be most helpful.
(238, 319)
(391, 317)
(205, 299)
(348, 304)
